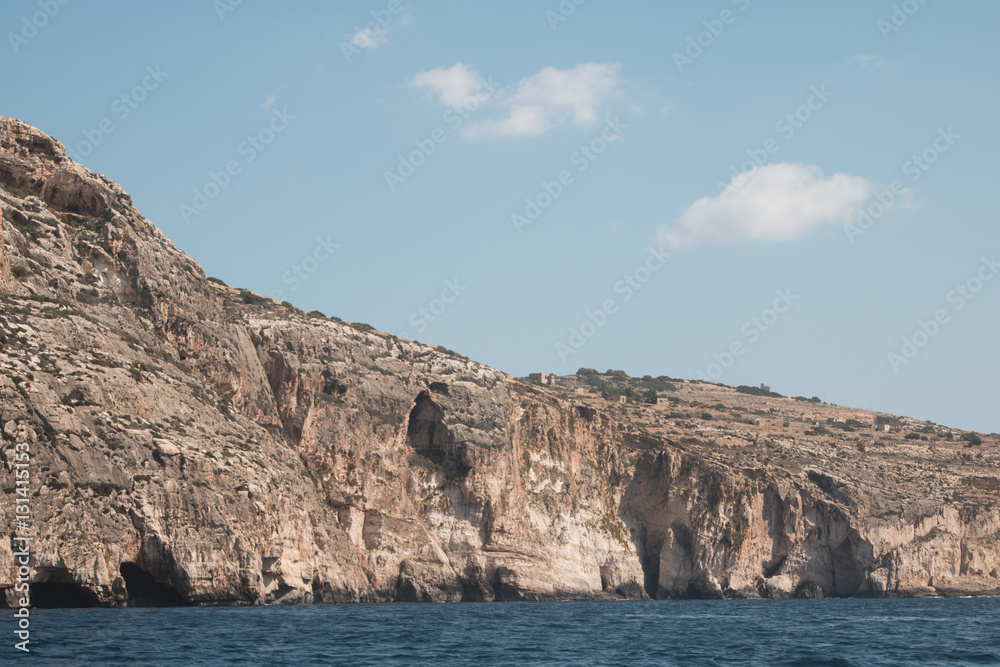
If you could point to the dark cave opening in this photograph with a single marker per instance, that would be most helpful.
(848, 575)
(439, 388)
(651, 574)
(145, 591)
(426, 431)
(428, 435)
(55, 595)
(58, 590)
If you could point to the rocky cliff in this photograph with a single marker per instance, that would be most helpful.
(195, 444)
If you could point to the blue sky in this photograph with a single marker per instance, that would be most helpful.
(308, 108)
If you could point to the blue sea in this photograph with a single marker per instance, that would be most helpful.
(727, 632)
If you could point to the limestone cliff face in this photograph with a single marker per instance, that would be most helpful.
(192, 443)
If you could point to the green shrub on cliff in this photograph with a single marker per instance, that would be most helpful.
(251, 299)
(757, 391)
(973, 439)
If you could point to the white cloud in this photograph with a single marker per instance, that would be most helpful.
(776, 202)
(375, 33)
(579, 90)
(542, 101)
(268, 103)
(454, 86)
(529, 121)
(549, 98)
(870, 61)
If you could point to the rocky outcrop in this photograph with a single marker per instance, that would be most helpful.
(196, 444)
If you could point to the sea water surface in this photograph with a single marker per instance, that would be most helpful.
(724, 632)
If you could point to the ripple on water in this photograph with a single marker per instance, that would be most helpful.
(837, 633)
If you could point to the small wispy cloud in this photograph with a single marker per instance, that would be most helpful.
(268, 103)
(454, 86)
(550, 98)
(535, 105)
(870, 61)
(376, 33)
(775, 202)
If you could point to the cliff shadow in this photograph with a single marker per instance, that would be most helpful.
(58, 590)
(431, 440)
(145, 591)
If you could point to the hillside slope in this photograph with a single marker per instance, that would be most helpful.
(196, 444)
